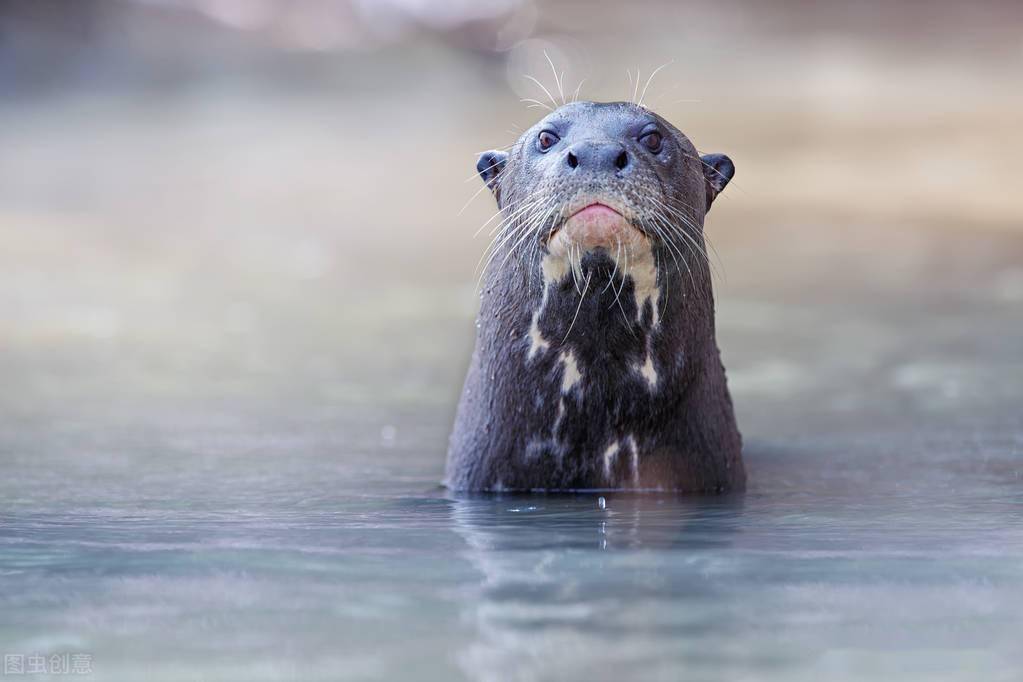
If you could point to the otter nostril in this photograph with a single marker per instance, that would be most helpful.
(622, 161)
(572, 160)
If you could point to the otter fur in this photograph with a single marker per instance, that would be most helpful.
(596, 364)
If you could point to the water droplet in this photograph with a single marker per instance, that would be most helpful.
(601, 503)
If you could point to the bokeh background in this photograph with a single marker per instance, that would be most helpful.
(218, 205)
(237, 298)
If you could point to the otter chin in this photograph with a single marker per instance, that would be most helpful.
(596, 364)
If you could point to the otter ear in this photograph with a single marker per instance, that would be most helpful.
(718, 169)
(490, 166)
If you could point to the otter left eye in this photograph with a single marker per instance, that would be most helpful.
(546, 140)
(652, 141)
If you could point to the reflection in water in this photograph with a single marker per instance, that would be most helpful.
(792, 586)
(555, 570)
(907, 567)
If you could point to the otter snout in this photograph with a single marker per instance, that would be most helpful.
(597, 157)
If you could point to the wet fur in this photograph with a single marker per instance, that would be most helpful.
(517, 429)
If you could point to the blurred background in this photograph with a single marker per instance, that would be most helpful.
(249, 202)
(237, 298)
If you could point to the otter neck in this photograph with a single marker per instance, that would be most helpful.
(604, 306)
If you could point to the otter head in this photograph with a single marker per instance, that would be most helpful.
(602, 177)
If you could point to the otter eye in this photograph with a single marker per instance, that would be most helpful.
(546, 140)
(652, 141)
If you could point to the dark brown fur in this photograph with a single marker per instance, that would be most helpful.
(517, 428)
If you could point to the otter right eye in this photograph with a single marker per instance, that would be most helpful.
(546, 140)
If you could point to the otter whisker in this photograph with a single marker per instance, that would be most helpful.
(557, 80)
(618, 294)
(505, 148)
(718, 268)
(663, 276)
(503, 208)
(534, 104)
(528, 216)
(671, 246)
(668, 226)
(687, 222)
(579, 307)
(618, 254)
(476, 175)
(575, 96)
(534, 256)
(527, 231)
(660, 98)
(579, 254)
(706, 238)
(546, 91)
(664, 230)
(576, 271)
(577, 262)
(570, 255)
(709, 266)
(502, 212)
(651, 78)
(625, 270)
(518, 213)
(493, 252)
(625, 273)
(507, 233)
(474, 195)
(724, 177)
(671, 253)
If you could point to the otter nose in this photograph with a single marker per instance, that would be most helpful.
(610, 157)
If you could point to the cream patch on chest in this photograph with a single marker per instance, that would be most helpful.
(633, 458)
(570, 374)
(624, 447)
(553, 270)
(641, 265)
(537, 341)
(645, 289)
(608, 459)
(649, 372)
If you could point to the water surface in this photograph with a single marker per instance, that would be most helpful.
(223, 418)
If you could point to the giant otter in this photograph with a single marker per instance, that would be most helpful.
(596, 364)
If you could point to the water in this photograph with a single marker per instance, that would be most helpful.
(307, 547)
(221, 440)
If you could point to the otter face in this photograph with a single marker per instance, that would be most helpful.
(602, 176)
